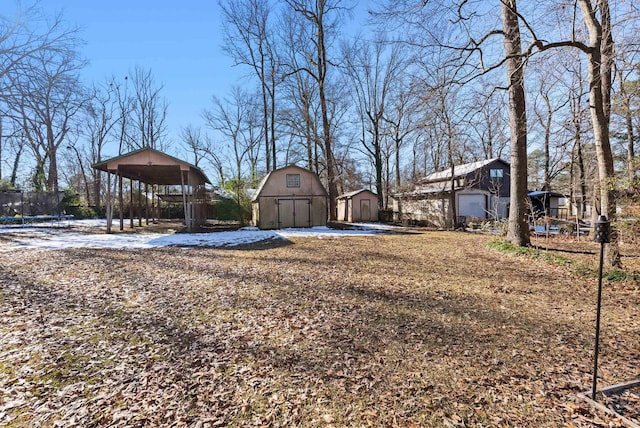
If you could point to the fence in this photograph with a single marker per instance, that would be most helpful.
(30, 204)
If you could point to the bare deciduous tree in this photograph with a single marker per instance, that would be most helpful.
(250, 41)
(46, 95)
(518, 229)
(100, 121)
(148, 112)
(25, 39)
(372, 72)
(321, 16)
(232, 117)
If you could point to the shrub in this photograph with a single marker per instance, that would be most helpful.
(629, 230)
(72, 204)
(6, 184)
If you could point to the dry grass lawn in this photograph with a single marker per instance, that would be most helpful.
(409, 330)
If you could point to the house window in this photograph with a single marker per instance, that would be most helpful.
(496, 174)
(293, 180)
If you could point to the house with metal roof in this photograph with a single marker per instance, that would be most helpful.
(472, 191)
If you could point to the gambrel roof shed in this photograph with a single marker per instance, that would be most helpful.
(290, 197)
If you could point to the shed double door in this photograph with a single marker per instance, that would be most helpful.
(294, 213)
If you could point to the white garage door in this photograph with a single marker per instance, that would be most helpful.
(472, 206)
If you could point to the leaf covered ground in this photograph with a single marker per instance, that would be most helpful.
(409, 330)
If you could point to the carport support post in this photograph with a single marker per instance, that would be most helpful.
(139, 203)
(121, 201)
(109, 207)
(131, 203)
(184, 201)
(601, 236)
(146, 202)
(154, 207)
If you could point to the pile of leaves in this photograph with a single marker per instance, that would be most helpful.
(407, 330)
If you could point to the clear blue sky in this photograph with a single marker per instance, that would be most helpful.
(180, 41)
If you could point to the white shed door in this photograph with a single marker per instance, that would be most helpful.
(472, 206)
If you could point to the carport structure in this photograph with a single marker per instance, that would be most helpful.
(152, 168)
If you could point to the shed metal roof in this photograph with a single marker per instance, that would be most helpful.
(354, 193)
(459, 170)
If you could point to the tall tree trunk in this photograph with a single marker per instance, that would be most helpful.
(518, 228)
(628, 115)
(578, 159)
(630, 142)
(600, 62)
(452, 195)
(52, 176)
(397, 141)
(547, 146)
(582, 182)
(265, 120)
(326, 126)
(273, 118)
(16, 164)
(387, 182)
(377, 152)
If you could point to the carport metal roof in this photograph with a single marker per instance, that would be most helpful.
(153, 167)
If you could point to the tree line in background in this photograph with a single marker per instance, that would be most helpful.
(551, 87)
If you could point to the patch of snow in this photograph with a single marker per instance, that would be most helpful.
(51, 238)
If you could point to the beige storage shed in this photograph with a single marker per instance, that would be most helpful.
(290, 197)
(361, 205)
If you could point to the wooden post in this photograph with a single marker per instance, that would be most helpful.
(139, 203)
(184, 200)
(154, 206)
(190, 202)
(146, 202)
(108, 206)
(131, 203)
(121, 201)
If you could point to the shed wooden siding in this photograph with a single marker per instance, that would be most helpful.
(358, 206)
(277, 206)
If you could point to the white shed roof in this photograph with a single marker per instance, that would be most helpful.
(354, 193)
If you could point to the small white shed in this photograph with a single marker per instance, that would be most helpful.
(357, 206)
(290, 197)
